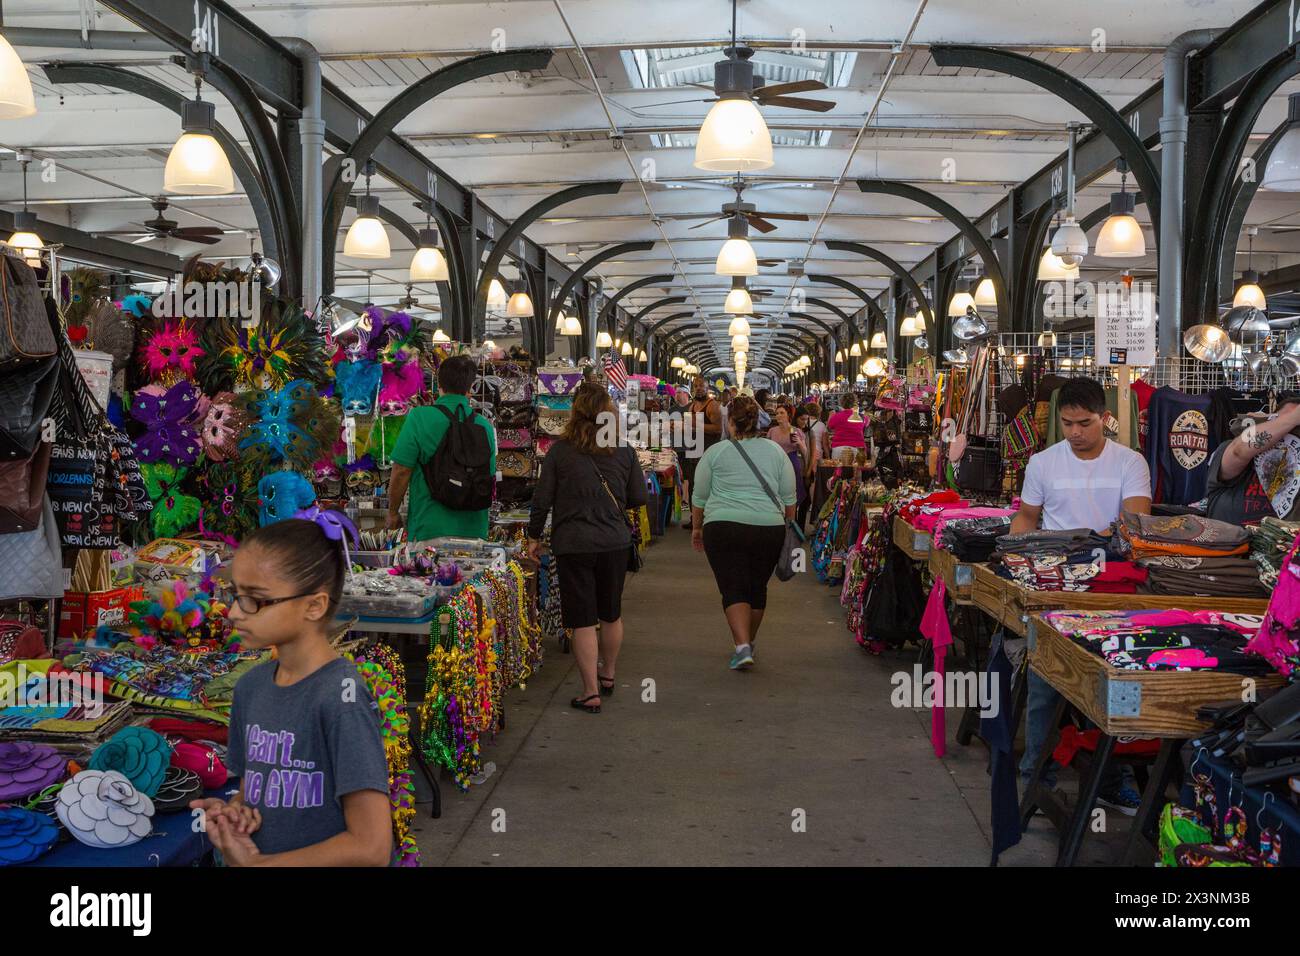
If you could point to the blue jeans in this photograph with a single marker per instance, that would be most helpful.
(1039, 710)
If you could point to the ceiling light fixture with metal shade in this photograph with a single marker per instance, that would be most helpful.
(874, 367)
(1282, 173)
(855, 350)
(970, 326)
(626, 349)
(1245, 320)
(879, 341)
(572, 326)
(440, 337)
(677, 362)
(736, 258)
(604, 340)
(24, 239)
(1248, 290)
(739, 326)
(910, 327)
(367, 238)
(1052, 269)
(520, 306)
(739, 343)
(428, 264)
(496, 297)
(962, 300)
(197, 165)
(839, 356)
(739, 301)
(957, 356)
(1121, 235)
(1069, 241)
(1209, 343)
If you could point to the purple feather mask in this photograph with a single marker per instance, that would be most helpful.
(171, 434)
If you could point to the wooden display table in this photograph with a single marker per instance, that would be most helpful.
(958, 577)
(913, 543)
(1123, 703)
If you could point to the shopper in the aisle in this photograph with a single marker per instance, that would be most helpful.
(429, 515)
(737, 525)
(847, 429)
(764, 399)
(703, 408)
(307, 708)
(1082, 482)
(1257, 474)
(809, 421)
(791, 439)
(586, 487)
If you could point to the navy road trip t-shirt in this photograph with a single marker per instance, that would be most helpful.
(300, 749)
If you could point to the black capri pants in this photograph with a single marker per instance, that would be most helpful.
(743, 557)
(591, 586)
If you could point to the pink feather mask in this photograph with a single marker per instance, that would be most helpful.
(223, 425)
(399, 387)
(171, 352)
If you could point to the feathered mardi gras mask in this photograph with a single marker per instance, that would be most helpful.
(136, 306)
(229, 511)
(383, 437)
(399, 387)
(170, 435)
(357, 384)
(363, 475)
(289, 425)
(170, 351)
(284, 345)
(223, 425)
(281, 495)
(173, 511)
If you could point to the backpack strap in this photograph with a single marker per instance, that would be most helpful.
(450, 417)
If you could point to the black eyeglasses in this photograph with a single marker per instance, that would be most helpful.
(251, 605)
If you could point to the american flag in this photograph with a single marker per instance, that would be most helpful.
(615, 370)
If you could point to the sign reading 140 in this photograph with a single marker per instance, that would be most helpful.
(206, 36)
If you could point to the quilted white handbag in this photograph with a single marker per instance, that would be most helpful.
(31, 565)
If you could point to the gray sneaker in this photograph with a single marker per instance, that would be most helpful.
(742, 659)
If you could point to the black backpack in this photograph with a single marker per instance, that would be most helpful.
(459, 474)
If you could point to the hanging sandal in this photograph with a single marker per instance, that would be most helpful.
(607, 685)
(581, 703)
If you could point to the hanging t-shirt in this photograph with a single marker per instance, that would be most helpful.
(1178, 451)
(1269, 487)
(1143, 391)
(1078, 493)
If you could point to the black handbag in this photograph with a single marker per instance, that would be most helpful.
(25, 333)
(25, 396)
(980, 467)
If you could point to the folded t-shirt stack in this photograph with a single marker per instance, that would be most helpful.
(972, 540)
(1165, 640)
(1065, 560)
(1270, 541)
(1189, 554)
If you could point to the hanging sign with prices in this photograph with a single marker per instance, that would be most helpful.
(1126, 326)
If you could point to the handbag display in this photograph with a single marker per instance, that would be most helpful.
(558, 380)
(559, 403)
(22, 490)
(794, 537)
(514, 438)
(516, 390)
(516, 416)
(25, 332)
(30, 561)
(980, 468)
(25, 396)
(553, 421)
(514, 464)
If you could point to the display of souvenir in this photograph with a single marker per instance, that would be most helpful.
(103, 809)
(281, 494)
(285, 345)
(168, 351)
(289, 425)
(139, 754)
(228, 509)
(170, 424)
(25, 835)
(173, 510)
(28, 768)
(357, 385)
(223, 424)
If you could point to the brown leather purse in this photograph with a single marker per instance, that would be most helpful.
(22, 490)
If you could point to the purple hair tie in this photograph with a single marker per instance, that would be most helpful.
(337, 527)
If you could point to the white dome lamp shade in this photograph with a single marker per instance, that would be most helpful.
(197, 165)
(911, 327)
(738, 301)
(572, 326)
(367, 238)
(879, 341)
(24, 240)
(677, 362)
(1283, 170)
(16, 98)
(985, 296)
(641, 356)
(734, 137)
(1051, 268)
(626, 349)
(739, 343)
(440, 337)
(961, 299)
(855, 350)
(428, 264)
(604, 340)
(520, 306)
(839, 356)
(739, 326)
(1121, 235)
(496, 298)
(736, 258)
(874, 367)
(1248, 290)
(560, 319)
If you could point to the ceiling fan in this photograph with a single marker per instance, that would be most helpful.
(160, 227)
(747, 213)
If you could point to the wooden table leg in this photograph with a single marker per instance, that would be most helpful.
(1141, 838)
(1089, 787)
(1037, 793)
(970, 628)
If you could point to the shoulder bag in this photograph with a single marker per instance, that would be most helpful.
(794, 537)
(634, 560)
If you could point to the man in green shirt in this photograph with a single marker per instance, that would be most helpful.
(421, 434)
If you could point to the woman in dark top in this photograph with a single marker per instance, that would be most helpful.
(587, 482)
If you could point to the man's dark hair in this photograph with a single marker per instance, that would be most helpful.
(456, 375)
(1085, 393)
(761, 396)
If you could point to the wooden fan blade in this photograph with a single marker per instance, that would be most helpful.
(800, 103)
(770, 262)
(762, 225)
(707, 221)
(203, 240)
(792, 216)
(200, 231)
(141, 241)
(781, 89)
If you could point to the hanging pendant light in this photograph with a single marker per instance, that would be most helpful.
(910, 327)
(1069, 241)
(969, 326)
(1245, 320)
(986, 296)
(739, 326)
(855, 350)
(367, 238)
(839, 356)
(879, 341)
(739, 343)
(197, 164)
(1209, 343)
(1051, 268)
(520, 306)
(677, 362)
(604, 340)
(16, 98)
(736, 258)
(738, 299)
(440, 337)
(961, 300)
(1248, 290)
(1121, 235)
(874, 367)
(734, 138)
(560, 319)
(641, 356)
(1047, 338)
(489, 344)
(428, 264)
(572, 326)
(957, 356)
(24, 240)
(1283, 170)
(496, 298)
(626, 349)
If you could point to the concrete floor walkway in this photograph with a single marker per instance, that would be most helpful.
(721, 768)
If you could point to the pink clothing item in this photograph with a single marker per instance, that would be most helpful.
(1278, 640)
(947, 515)
(934, 625)
(794, 441)
(845, 433)
(1070, 623)
(928, 516)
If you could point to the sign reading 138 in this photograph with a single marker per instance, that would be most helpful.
(206, 36)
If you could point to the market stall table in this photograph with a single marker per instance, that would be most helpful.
(1122, 703)
(914, 543)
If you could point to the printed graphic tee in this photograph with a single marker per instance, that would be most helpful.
(1178, 445)
(1269, 487)
(300, 749)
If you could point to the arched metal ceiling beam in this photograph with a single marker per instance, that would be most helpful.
(603, 320)
(526, 219)
(1243, 193)
(248, 176)
(629, 330)
(1074, 92)
(861, 293)
(967, 228)
(613, 252)
(351, 162)
(893, 266)
(645, 337)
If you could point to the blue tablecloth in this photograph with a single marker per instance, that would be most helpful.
(1281, 815)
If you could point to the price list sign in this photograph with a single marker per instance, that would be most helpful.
(1126, 326)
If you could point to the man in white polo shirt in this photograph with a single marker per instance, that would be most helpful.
(1081, 482)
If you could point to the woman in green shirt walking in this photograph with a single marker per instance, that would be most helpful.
(737, 525)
